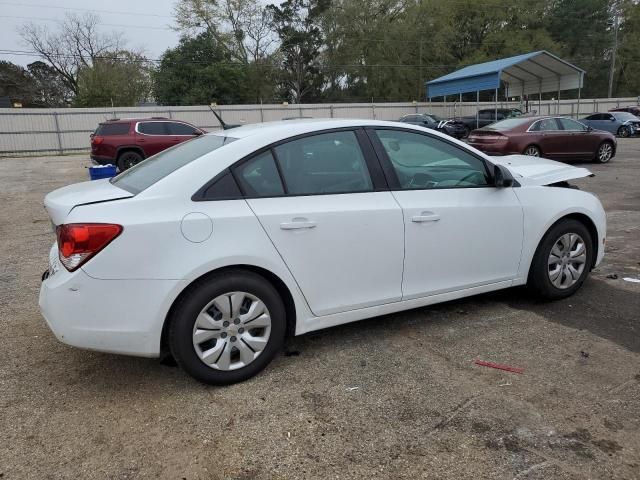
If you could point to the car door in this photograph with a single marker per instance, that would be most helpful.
(552, 140)
(324, 205)
(580, 142)
(460, 230)
(152, 136)
(598, 121)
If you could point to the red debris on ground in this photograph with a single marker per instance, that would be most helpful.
(507, 368)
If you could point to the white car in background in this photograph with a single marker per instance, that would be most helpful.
(216, 249)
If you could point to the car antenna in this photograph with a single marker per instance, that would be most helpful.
(225, 126)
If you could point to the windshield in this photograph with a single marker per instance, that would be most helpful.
(146, 173)
(507, 124)
(624, 116)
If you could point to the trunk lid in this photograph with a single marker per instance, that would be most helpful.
(529, 170)
(60, 202)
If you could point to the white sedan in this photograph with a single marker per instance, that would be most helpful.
(214, 250)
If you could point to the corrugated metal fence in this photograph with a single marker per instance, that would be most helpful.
(64, 131)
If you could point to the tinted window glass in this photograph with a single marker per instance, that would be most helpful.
(153, 128)
(149, 171)
(109, 129)
(508, 124)
(596, 116)
(259, 177)
(325, 163)
(568, 124)
(180, 129)
(421, 162)
(224, 188)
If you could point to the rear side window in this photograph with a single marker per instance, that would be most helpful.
(149, 171)
(110, 129)
(259, 177)
(153, 128)
(181, 129)
(322, 164)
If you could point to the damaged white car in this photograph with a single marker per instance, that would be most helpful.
(218, 248)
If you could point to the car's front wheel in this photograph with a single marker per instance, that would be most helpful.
(227, 328)
(562, 261)
(128, 159)
(624, 131)
(605, 152)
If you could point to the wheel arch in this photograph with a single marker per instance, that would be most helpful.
(533, 144)
(129, 148)
(587, 222)
(275, 280)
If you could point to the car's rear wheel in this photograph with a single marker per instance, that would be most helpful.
(128, 159)
(227, 328)
(624, 131)
(562, 261)
(604, 152)
(533, 151)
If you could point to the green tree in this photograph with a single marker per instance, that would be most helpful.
(627, 75)
(16, 83)
(200, 71)
(50, 89)
(120, 80)
(298, 25)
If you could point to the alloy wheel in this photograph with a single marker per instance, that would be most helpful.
(532, 151)
(231, 331)
(605, 152)
(567, 260)
(625, 132)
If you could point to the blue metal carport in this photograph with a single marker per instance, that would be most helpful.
(525, 74)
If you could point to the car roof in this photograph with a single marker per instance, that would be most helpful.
(142, 119)
(288, 128)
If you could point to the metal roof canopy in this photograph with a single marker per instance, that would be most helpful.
(534, 72)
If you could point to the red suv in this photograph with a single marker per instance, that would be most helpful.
(631, 109)
(125, 142)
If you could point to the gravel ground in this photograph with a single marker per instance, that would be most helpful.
(392, 397)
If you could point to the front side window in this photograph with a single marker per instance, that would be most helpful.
(572, 125)
(153, 128)
(322, 164)
(422, 162)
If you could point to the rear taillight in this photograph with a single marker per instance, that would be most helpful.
(78, 242)
(97, 140)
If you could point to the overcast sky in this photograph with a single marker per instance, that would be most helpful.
(144, 23)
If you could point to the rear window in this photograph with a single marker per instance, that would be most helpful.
(109, 129)
(153, 169)
(508, 124)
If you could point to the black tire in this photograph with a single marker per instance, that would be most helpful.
(600, 158)
(465, 133)
(539, 281)
(128, 159)
(532, 148)
(200, 294)
(624, 132)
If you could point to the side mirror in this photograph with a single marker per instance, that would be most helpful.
(589, 128)
(502, 176)
(197, 133)
(613, 119)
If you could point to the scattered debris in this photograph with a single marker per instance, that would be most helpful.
(632, 280)
(351, 389)
(506, 368)
(505, 384)
(613, 276)
(584, 354)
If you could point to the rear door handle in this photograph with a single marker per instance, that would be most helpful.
(425, 217)
(297, 225)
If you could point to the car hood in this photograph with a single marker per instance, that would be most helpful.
(529, 170)
(60, 202)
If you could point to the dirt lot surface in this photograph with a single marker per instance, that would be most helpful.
(392, 397)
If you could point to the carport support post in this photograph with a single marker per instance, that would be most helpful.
(496, 106)
(477, 107)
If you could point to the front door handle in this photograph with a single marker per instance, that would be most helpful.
(425, 217)
(297, 224)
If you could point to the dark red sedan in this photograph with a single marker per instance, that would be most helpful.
(557, 138)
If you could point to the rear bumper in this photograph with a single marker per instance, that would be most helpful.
(114, 316)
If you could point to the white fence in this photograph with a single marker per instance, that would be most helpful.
(63, 131)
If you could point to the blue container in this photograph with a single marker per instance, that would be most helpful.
(102, 171)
